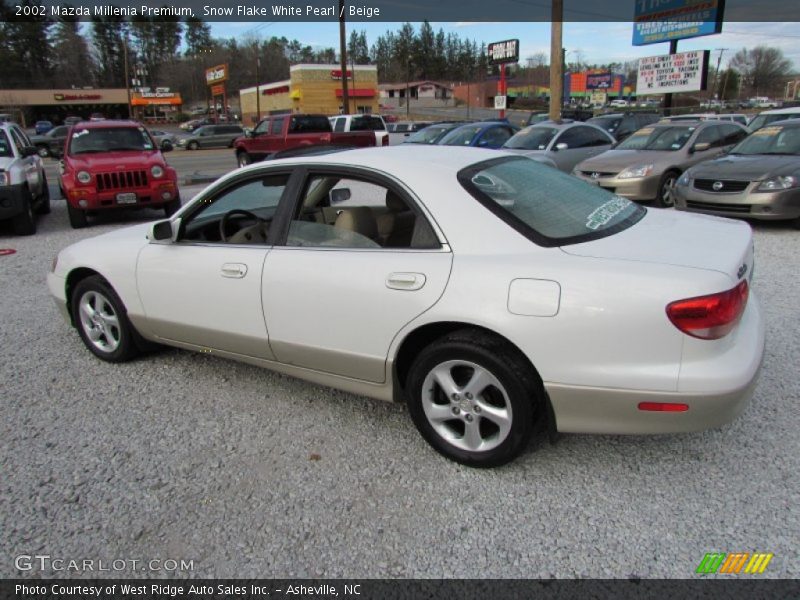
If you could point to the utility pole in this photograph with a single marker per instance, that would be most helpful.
(716, 73)
(343, 58)
(556, 59)
(127, 74)
(258, 83)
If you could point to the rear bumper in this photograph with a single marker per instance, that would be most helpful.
(721, 386)
(11, 203)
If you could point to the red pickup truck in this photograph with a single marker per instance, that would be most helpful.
(282, 132)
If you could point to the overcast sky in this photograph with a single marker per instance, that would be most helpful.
(598, 42)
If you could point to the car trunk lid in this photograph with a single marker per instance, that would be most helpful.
(679, 239)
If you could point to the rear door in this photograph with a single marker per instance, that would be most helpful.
(337, 288)
(31, 165)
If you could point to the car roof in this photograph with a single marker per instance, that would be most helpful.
(785, 123)
(105, 124)
(781, 111)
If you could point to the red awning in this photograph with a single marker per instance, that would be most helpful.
(357, 93)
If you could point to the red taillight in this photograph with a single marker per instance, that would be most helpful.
(709, 317)
(663, 406)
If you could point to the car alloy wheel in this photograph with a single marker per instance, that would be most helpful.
(475, 398)
(99, 321)
(666, 189)
(467, 405)
(192, 145)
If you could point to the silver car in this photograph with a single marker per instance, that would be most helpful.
(758, 179)
(211, 136)
(560, 145)
(646, 165)
(164, 138)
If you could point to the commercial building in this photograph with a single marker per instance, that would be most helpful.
(29, 106)
(312, 89)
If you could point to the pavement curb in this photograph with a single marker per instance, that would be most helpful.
(197, 178)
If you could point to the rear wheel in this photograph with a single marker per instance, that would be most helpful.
(665, 199)
(102, 321)
(77, 217)
(474, 398)
(25, 222)
(44, 198)
(43, 151)
(243, 158)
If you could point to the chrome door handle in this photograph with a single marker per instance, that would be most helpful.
(234, 270)
(405, 281)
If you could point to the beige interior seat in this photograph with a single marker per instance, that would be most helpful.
(396, 226)
(358, 219)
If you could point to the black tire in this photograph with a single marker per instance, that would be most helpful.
(524, 395)
(77, 217)
(123, 335)
(44, 199)
(170, 208)
(193, 145)
(43, 151)
(243, 159)
(25, 222)
(664, 198)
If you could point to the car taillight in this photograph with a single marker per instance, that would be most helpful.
(709, 317)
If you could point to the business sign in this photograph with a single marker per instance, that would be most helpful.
(158, 94)
(670, 73)
(656, 21)
(216, 74)
(78, 97)
(599, 81)
(499, 102)
(218, 90)
(503, 52)
(598, 98)
(337, 74)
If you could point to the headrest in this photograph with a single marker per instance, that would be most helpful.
(394, 202)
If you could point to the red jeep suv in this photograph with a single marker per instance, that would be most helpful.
(115, 164)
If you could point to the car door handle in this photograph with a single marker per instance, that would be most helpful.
(234, 270)
(405, 281)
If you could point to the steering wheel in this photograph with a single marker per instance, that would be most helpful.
(223, 224)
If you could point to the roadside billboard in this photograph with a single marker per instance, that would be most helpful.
(599, 81)
(657, 21)
(503, 52)
(671, 73)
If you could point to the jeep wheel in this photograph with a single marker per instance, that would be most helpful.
(42, 151)
(77, 217)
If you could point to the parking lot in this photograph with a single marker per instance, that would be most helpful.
(247, 473)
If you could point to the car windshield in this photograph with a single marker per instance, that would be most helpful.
(659, 138)
(5, 146)
(610, 124)
(547, 206)
(461, 137)
(109, 139)
(429, 135)
(774, 139)
(532, 138)
(762, 120)
(367, 124)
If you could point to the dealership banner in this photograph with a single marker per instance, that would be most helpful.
(691, 17)
(671, 73)
(388, 589)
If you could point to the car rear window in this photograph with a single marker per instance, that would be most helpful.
(429, 135)
(309, 124)
(461, 136)
(367, 124)
(547, 206)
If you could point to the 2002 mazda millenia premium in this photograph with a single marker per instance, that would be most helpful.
(490, 294)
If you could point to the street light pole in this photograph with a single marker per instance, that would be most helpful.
(258, 84)
(127, 74)
(556, 59)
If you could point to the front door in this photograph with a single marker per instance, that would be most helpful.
(359, 262)
(205, 288)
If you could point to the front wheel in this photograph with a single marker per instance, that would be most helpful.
(665, 198)
(243, 158)
(474, 398)
(102, 321)
(171, 207)
(25, 222)
(42, 151)
(192, 145)
(77, 217)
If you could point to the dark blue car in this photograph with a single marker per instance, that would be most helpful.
(43, 127)
(486, 134)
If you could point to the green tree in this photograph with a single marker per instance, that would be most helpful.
(108, 38)
(72, 62)
(763, 69)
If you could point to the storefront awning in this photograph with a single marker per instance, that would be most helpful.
(156, 99)
(357, 93)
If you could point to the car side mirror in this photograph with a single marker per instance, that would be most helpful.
(166, 146)
(340, 195)
(161, 231)
(700, 147)
(30, 151)
(561, 146)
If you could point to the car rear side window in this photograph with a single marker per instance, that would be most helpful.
(5, 146)
(309, 124)
(276, 127)
(548, 207)
(367, 124)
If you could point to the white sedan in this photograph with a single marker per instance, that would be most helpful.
(491, 293)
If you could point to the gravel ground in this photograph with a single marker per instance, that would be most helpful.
(249, 473)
